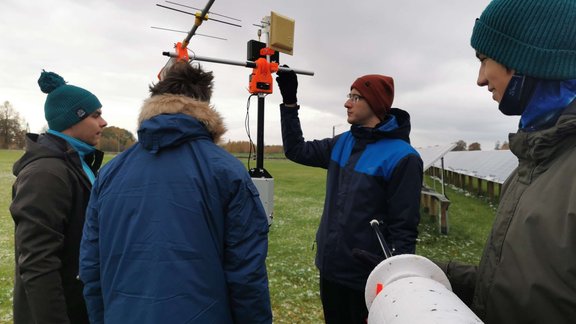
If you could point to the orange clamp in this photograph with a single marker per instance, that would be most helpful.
(261, 77)
(182, 52)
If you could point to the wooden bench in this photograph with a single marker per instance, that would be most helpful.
(436, 205)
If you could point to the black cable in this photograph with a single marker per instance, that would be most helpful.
(247, 127)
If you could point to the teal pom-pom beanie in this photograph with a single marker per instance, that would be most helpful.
(536, 38)
(65, 104)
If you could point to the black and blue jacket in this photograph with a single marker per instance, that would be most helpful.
(373, 173)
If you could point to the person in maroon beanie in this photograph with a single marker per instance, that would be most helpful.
(373, 173)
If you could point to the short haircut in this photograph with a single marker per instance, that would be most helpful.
(185, 79)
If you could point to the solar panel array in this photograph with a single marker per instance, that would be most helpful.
(431, 154)
(494, 166)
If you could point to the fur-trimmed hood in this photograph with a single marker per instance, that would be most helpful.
(178, 104)
(171, 120)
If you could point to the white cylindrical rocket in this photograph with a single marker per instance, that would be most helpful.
(410, 288)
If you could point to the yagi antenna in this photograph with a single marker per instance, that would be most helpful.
(264, 61)
(194, 14)
(210, 12)
(182, 47)
(185, 32)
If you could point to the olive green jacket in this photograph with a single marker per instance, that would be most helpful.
(49, 198)
(527, 273)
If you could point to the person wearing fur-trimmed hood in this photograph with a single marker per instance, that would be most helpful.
(175, 230)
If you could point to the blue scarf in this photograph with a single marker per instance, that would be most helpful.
(539, 102)
(82, 148)
(547, 103)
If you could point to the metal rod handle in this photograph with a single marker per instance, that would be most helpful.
(375, 225)
(223, 61)
(249, 64)
(281, 68)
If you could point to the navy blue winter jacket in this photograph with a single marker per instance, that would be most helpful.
(373, 173)
(175, 231)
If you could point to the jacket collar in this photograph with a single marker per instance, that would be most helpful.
(169, 120)
(396, 126)
(536, 149)
(170, 104)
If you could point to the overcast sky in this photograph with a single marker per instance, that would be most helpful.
(109, 48)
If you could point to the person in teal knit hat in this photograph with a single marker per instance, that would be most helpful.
(54, 178)
(527, 273)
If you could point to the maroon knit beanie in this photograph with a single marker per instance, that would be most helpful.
(378, 90)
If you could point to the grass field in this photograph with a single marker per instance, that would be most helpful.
(7, 158)
(298, 202)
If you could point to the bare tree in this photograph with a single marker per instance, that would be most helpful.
(460, 146)
(12, 127)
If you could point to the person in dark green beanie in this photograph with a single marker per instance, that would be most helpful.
(49, 199)
(527, 274)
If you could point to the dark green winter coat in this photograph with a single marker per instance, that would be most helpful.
(528, 269)
(50, 196)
